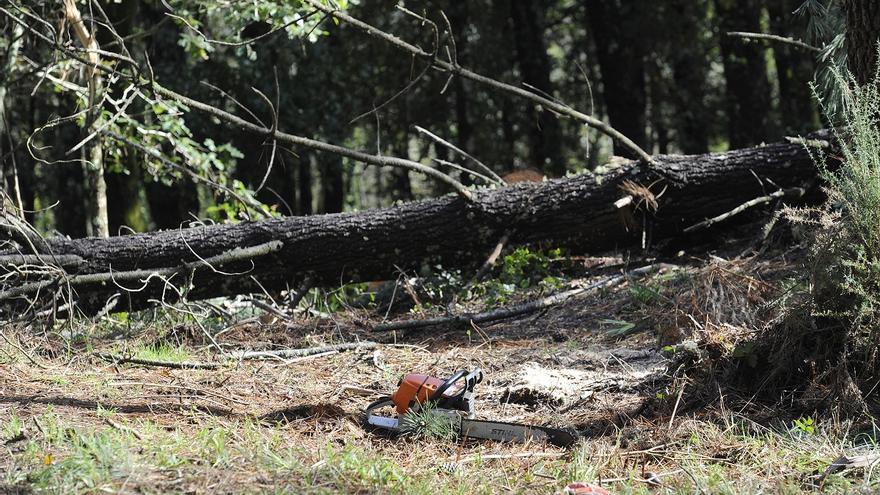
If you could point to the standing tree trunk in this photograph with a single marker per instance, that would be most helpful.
(862, 35)
(745, 71)
(534, 64)
(688, 56)
(10, 172)
(794, 69)
(332, 195)
(458, 17)
(304, 183)
(618, 46)
(92, 153)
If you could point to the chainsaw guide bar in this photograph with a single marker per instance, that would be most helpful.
(452, 400)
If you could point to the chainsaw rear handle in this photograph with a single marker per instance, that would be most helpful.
(418, 389)
(438, 394)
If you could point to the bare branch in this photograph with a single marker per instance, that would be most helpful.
(773, 37)
(517, 310)
(439, 140)
(243, 42)
(359, 156)
(792, 192)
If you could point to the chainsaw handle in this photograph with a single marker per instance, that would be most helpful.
(438, 394)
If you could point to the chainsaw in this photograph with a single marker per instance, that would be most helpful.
(453, 401)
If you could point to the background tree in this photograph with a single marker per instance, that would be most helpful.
(745, 73)
(862, 35)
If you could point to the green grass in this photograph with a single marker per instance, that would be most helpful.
(739, 457)
(162, 351)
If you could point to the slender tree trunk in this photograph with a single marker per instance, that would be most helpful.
(794, 69)
(171, 206)
(304, 183)
(534, 63)
(92, 153)
(332, 192)
(12, 185)
(97, 223)
(618, 46)
(688, 56)
(745, 72)
(862, 35)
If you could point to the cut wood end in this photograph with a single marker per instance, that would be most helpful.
(624, 201)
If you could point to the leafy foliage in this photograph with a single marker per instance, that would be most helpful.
(825, 29)
(524, 268)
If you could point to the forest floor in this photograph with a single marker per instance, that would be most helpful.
(71, 421)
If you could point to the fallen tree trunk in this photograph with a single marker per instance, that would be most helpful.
(586, 213)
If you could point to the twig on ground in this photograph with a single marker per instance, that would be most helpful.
(312, 356)
(792, 191)
(297, 353)
(490, 261)
(677, 403)
(517, 310)
(355, 390)
(21, 350)
(123, 428)
(271, 309)
(301, 292)
(651, 478)
(115, 358)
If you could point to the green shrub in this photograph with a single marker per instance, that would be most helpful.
(845, 258)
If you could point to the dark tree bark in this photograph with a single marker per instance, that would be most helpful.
(794, 69)
(170, 206)
(745, 72)
(304, 183)
(332, 188)
(578, 213)
(862, 35)
(458, 17)
(534, 65)
(618, 45)
(688, 56)
(124, 205)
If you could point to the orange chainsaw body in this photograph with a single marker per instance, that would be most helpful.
(414, 388)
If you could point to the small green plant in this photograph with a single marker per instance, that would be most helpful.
(426, 422)
(805, 425)
(644, 294)
(522, 269)
(618, 328)
(162, 351)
